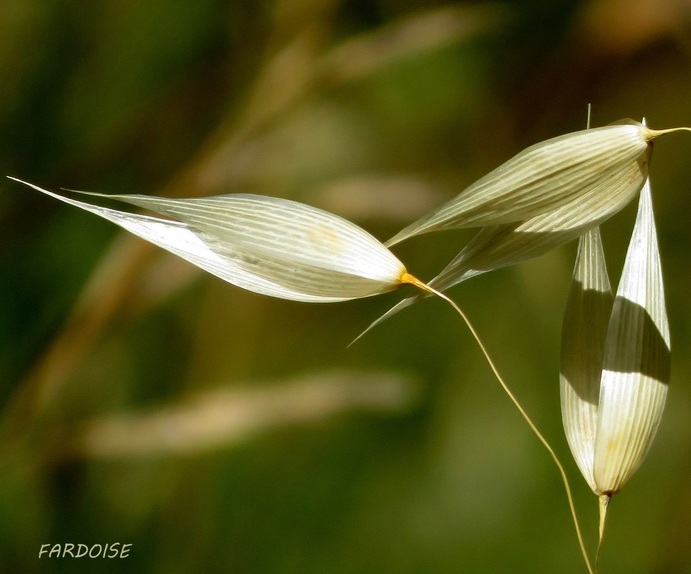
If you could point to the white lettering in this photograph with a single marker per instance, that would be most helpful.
(113, 550)
(70, 550)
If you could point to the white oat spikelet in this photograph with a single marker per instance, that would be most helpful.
(615, 365)
(267, 245)
(547, 195)
(587, 165)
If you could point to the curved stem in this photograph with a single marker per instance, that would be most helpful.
(657, 133)
(417, 283)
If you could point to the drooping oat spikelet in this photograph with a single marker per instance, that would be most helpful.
(636, 362)
(586, 165)
(503, 245)
(615, 364)
(584, 331)
(268, 245)
(549, 194)
(546, 176)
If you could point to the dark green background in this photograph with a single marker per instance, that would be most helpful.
(375, 110)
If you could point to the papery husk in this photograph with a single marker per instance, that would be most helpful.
(615, 358)
(267, 245)
(547, 195)
(586, 320)
(636, 362)
(544, 177)
(500, 246)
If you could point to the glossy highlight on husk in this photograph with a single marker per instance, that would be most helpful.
(267, 245)
(615, 359)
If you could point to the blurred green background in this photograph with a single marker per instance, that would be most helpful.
(215, 430)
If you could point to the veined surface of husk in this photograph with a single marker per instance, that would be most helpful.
(268, 245)
(546, 176)
(615, 357)
(547, 195)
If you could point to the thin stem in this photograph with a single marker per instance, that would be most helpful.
(652, 134)
(416, 282)
(604, 505)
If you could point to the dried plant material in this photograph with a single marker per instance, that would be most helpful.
(608, 183)
(583, 165)
(268, 245)
(503, 245)
(615, 366)
(500, 246)
(584, 331)
(636, 362)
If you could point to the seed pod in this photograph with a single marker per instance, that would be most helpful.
(267, 245)
(614, 385)
(636, 362)
(584, 331)
(503, 245)
(588, 175)
(585, 165)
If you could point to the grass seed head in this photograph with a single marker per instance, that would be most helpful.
(268, 245)
(615, 357)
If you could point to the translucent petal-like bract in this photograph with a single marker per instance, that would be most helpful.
(615, 357)
(546, 176)
(268, 245)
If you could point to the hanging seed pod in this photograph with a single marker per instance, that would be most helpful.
(636, 361)
(503, 245)
(615, 366)
(588, 175)
(548, 175)
(263, 244)
(587, 316)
